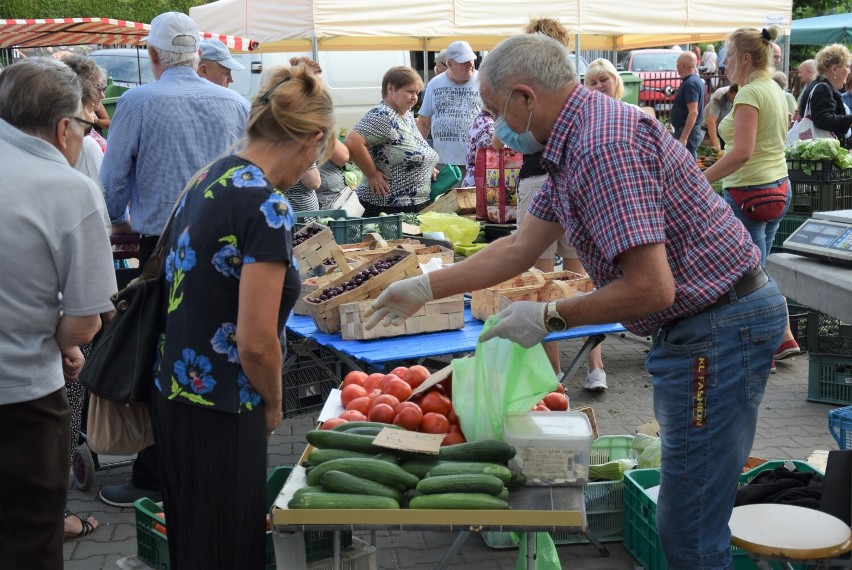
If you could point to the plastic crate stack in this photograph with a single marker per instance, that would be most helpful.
(830, 359)
(818, 186)
(840, 426)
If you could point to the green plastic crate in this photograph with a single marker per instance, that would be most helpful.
(640, 517)
(789, 224)
(353, 230)
(152, 546)
(830, 379)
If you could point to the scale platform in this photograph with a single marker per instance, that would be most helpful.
(826, 236)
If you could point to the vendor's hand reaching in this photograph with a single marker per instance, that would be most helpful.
(72, 364)
(379, 183)
(522, 322)
(435, 173)
(399, 301)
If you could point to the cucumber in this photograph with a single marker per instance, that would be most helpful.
(318, 456)
(388, 456)
(308, 490)
(463, 483)
(357, 425)
(340, 482)
(340, 501)
(461, 501)
(472, 467)
(324, 439)
(372, 469)
(420, 467)
(488, 450)
(518, 480)
(365, 430)
(503, 495)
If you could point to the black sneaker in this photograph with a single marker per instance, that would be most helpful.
(125, 494)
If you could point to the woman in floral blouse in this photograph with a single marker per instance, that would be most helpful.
(397, 162)
(233, 283)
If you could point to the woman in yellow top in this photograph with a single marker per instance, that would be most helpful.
(754, 159)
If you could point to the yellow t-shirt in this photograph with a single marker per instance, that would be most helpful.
(767, 162)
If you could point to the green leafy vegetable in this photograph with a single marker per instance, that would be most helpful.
(818, 150)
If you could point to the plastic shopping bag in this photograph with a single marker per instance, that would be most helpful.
(503, 377)
(457, 229)
(546, 557)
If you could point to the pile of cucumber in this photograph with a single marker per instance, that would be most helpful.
(346, 471)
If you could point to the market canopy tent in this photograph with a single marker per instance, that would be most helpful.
(82, 31)
(432, 24)
(822, 30)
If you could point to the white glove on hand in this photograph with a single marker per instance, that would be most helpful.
(522, 322)
(399, 301)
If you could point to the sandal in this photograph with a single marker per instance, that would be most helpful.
(86, 525)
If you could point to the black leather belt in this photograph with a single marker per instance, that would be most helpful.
(753, 280)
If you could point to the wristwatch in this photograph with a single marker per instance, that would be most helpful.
(553, 321)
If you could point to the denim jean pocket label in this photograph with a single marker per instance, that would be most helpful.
(700, 385)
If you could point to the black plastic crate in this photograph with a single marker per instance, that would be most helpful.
(815, 196)
(827, 335)
(798, 315)
(310, 372)
(817, 171)
(789, 224)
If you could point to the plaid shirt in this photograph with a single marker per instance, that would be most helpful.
(619, 180)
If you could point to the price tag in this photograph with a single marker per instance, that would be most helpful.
(409, 440)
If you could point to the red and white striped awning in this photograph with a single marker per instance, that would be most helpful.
(80, 31)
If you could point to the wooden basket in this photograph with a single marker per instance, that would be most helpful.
(326, 314)
(457, 200)
(441, 315)
(423, 252)
(549, 291)
(312, 252)
(486, 302)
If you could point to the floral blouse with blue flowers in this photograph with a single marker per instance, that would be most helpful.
(232, 216)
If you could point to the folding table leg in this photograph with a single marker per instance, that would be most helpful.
(593, 540)
(451, 552)
(591, 342)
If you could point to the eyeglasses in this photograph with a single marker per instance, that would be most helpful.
(87, 124)
(101, 88)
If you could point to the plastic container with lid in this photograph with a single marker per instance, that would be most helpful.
(553, 447)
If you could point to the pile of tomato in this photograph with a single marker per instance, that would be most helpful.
(555, 401)
(384, 398)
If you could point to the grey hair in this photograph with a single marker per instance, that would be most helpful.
(442, 57)
(37, 93)
(89, 73)
(169, 59)
(533, 59)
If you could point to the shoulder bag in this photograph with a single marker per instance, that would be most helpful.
(804, 129)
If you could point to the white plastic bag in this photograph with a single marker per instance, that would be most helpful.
(348, 201)
(804, 129)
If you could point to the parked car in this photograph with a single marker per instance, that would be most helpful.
(658, 70)
(126, 67)
(583, 64)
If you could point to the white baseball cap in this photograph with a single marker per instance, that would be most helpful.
(214, 50)
(173, 31)
(460, 52)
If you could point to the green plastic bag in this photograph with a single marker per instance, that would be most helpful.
(448, 177)
(457, 229)
(546, 557)
(502, 377)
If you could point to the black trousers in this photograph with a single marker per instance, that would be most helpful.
(34, 445)
(213, 480)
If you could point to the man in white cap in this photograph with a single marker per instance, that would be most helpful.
(450, 104)
(216, 63)
(161, 134)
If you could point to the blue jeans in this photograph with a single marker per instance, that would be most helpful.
(709, 372)
(762, 233)
(695, 138)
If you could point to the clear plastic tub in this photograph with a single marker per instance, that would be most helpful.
(553, 447)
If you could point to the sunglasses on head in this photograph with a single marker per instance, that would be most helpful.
(88, 125)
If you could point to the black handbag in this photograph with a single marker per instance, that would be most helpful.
(121, 365)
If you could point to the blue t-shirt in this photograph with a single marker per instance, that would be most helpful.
(690, 91)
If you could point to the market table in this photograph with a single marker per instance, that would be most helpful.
(813, 283)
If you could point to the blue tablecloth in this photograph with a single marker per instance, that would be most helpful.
(377, 352)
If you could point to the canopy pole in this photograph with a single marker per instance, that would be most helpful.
(577, 54)
(425, 63)
(314, 49)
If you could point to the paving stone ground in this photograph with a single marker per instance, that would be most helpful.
(790, 427)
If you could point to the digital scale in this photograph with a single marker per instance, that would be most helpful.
(826, 236)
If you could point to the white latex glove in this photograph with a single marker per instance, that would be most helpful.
(521, 322)
(399, 301)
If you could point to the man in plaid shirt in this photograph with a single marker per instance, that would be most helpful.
(668, 258)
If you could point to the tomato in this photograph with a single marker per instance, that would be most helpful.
(386, 399)
(351, 392)
(381, 413)
(353, 416)
(374, 393)
(455, 428)
(560, 388)
(434, 423)
(160, 528)
(540, 408)
(398, 388)
(434, 402)
(452, 417)
(373, 381)
(453, 438)
(416, 375)
(361, 404)
(388, 378)
(409, 416)
(556, 402)
(268, 522)
(354, 377)
(332, 423)
(399, 371)
(439, 388)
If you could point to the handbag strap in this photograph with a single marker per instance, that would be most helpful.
(808, 104)
(154, 267)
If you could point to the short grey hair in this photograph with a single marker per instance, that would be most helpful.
(89, 73)
(441, 57)
(169, 59)
(37, 93)
(532, 59)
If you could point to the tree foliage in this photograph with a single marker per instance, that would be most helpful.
(132, 10)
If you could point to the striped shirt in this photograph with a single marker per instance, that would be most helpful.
(160, 135)
(617, 181)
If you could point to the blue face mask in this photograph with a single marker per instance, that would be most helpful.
(522, 142)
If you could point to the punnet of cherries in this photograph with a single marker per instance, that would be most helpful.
(356, 280)
(305, 234)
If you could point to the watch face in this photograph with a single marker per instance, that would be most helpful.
(556, 324)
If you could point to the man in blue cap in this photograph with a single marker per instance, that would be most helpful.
(216, 62)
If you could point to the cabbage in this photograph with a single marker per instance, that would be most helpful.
(819, 150)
